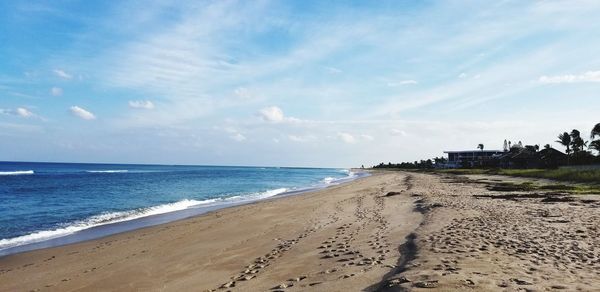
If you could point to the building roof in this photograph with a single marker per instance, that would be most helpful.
(551, 151)
(469, 151)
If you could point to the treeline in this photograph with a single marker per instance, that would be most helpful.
(423, 164)
(578, 151)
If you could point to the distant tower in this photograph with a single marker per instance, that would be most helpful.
(505, 145)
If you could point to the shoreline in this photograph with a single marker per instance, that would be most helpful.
(276, 242)
(112, 228)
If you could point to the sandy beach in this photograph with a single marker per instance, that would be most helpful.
(392, 231)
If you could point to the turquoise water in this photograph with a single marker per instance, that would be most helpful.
(42, 201)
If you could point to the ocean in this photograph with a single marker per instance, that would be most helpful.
(49, 204)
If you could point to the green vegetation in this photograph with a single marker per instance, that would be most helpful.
(529, 156)
(564, 174)
(561, 174)
(581, 182)
(530, 186)
(517, 158)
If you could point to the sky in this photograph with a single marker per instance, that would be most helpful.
(291, 83)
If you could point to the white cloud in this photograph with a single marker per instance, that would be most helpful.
(20, 111)
(238, 137)
(56, 91)
(23, 112)
(367, 137)
(141, 104)
(352, 139)
(272, 114)
(347, 138)
(62, 74)
(333, 70)
(397, 132)
(234, 134)
(462, 75)
(403, 82)
(82, 113)
(301, 139)
(589, 76)
(242, 93)
(203, 42)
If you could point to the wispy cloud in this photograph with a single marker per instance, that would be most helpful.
(62, 74)
(274, 114)
(82, 113)
(302, 138)
(141, 104)
(367, 137)
(402, 82)
(23, 112)
(333, 70)
(397, 132)
(20, 112)
(589, 76)
(56, 91)
(238, 137)
(234, 134)
(346, 138)
(357, 74)
(352, 139)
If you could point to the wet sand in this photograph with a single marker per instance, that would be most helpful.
(391, 231)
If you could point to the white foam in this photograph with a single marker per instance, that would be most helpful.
(107, 171)
(98, 220)
(348, 172)
(328, 180)
(267, 194)
(331, 180)
(115, 217)
(18, 172)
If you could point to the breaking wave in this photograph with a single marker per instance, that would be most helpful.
(18, 172)
(115, 217)
(332, 180)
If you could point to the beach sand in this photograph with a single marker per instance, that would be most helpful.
(392, 231)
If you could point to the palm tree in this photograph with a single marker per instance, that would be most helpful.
(595, 131)
(595, 145)
(577, 142)
(565, 140)
(480, 146)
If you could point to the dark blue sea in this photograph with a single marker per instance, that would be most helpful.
(40, 202)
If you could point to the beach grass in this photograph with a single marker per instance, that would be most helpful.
(562, 174)
(581, 181)
(576, 189)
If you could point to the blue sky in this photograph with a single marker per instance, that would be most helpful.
(291, 83)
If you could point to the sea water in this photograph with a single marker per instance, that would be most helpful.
(44, 201)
